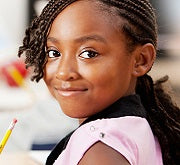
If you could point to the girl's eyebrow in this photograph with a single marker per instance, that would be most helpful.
(82, 39)
(52, 39)
(87, 38)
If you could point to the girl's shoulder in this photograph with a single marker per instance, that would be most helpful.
(131, 136)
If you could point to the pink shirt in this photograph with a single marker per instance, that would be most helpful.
(131, 136)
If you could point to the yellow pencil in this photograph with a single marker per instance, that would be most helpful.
(7, 134)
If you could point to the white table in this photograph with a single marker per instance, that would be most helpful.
(27, 158)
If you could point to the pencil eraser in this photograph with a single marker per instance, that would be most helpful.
(14, 121)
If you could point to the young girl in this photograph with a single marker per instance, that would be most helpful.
(94, 56)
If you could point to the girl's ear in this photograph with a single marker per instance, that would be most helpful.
(144, 59)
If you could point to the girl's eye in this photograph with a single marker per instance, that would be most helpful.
(53, 53)
(88, 54)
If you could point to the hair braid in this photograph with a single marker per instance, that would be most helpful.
(141, 16)
(137, 10)
(162, 116)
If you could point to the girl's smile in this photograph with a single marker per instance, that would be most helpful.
(68, 90)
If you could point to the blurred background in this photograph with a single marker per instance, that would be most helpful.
(41, 124)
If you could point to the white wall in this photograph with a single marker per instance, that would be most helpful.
(13, 21)
(172, 14)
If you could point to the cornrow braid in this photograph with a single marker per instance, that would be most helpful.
(141, 15)
(140, 27)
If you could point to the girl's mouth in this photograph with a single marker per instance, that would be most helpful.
(67, 92)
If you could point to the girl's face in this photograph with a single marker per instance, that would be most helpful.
(88, 66)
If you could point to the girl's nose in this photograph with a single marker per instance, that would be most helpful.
(67, 71)
(67, 75)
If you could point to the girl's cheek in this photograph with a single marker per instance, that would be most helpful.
(50, 70)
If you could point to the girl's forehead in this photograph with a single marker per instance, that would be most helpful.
(87, 15)
(78, 4)
(80, 21)
(95, 9)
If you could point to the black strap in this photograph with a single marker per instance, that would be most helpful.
(58, 149)
(126, 106)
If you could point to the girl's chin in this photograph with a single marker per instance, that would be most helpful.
(77, 115)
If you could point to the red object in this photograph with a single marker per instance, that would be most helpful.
(19, 66)
(14, 121)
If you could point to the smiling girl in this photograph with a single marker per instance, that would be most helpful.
(94, 56)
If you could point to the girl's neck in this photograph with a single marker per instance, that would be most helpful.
(81, 120)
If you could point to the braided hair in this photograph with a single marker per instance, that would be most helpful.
(140, 27)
